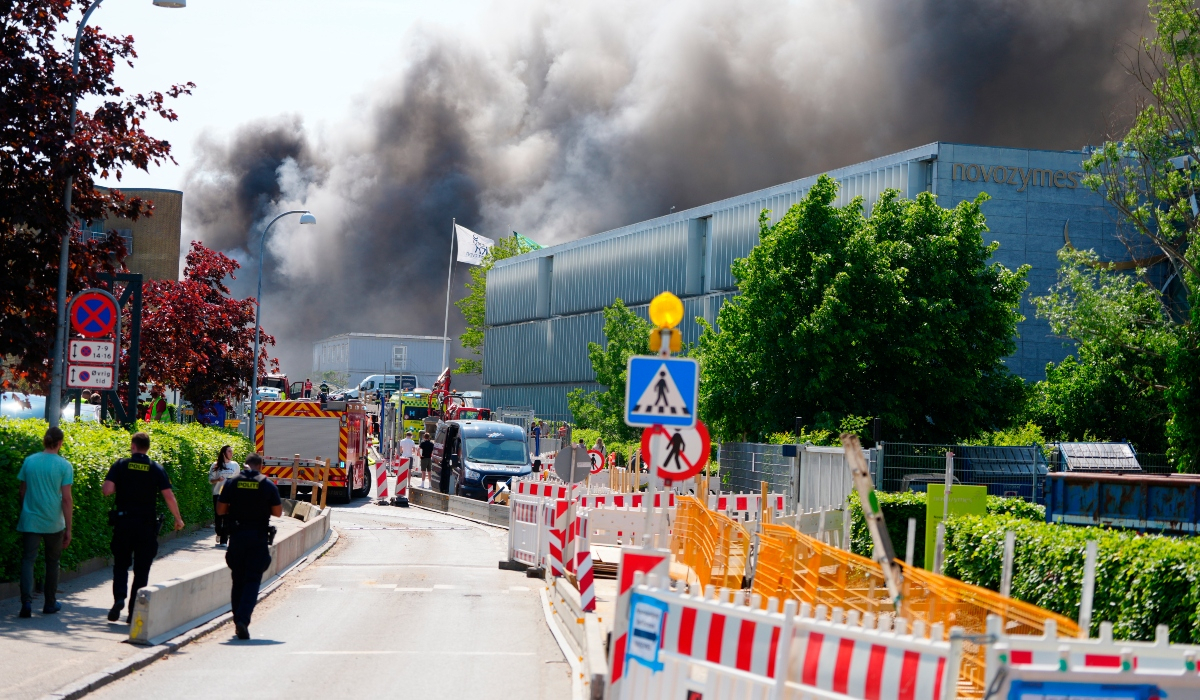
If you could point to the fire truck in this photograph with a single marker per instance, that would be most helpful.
(337, 431)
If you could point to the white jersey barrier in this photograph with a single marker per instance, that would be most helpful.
(681, 645)
(1028, 666)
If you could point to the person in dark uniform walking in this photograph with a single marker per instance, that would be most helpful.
(137, 481)
(248, 501)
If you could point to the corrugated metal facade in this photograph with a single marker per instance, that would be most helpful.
(544, 307)
(360, 355)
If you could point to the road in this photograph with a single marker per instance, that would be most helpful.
(408, 603)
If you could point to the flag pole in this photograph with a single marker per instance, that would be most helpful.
(446, 322)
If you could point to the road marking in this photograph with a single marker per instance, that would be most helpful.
(413, 590)
(423, 652)
(309, 585)
(444, 586)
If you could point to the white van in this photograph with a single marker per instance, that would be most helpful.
(388, 382)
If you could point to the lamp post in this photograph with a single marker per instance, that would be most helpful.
(306, 217)
(54, 400)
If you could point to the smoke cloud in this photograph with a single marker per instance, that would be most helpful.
(577, 117)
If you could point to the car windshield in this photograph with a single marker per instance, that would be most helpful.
(496, 450)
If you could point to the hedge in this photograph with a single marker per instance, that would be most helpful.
(899, 507)
(185, 451)
(1141, 580)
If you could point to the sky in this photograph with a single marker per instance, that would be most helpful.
(258, 59)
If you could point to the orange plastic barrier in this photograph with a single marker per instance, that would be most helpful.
(711, 547)
(794, 566)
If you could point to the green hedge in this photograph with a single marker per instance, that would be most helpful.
(185, 451)
(899, 507)
(1141, 580)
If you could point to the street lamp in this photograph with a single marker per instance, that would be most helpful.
(54, 400)
(306, 217)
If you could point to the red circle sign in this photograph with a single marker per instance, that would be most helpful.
(683, 451)
(94, 313)
(597, 458)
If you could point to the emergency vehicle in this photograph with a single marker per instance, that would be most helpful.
(277, 381)
(336, 430)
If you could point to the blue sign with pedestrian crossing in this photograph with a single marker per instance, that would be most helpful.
(661, 391)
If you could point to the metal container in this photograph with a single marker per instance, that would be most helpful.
(1167, 504)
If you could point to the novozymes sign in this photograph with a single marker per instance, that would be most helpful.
(1022, 178)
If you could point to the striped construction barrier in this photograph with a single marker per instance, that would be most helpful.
(687, 644)
(634, 561)
(558, 537)
(747, 506)
(584, 580)
(402, 467)
(625, 500)
(381, 482)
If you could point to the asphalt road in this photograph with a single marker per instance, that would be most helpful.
(408, 603)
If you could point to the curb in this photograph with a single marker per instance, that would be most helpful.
(456, 515)
(87, 684)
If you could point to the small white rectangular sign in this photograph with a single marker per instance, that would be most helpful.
(91, 352)
(89, 377)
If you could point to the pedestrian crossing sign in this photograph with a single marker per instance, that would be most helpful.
(661, 391)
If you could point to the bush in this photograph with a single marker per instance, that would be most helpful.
(1141, 580)
(899, 507)
(185, 451)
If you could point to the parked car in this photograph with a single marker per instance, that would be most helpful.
(14, 404)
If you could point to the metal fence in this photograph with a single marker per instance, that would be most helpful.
(745, 465)
(812, 477)
(1005, 471)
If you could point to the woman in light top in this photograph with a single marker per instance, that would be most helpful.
(222, 469)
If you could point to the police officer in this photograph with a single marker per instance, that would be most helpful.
(137, 481)
(248, 501)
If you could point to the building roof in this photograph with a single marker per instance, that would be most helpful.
(380, 336)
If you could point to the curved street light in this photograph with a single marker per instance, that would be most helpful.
(54, 400)
(306, 217)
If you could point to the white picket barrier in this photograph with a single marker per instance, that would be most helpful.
(528, 527)
(684, 644)
(747, 507)
(613, 526)
(1162, 669)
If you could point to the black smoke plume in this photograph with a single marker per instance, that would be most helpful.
(577, 117)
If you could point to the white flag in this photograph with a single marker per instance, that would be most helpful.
(472, 246)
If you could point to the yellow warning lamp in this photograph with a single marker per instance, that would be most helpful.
(666, 311)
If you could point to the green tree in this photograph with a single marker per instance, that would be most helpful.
(1116, 388)
(1150, 175)
(474, 305)
(899, 315)
(626, 334)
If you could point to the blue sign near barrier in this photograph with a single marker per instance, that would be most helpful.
(661, 391)
(647, 616)
(1044, 690)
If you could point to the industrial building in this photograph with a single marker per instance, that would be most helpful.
(151, 242)
(544, 307)
(359, 355)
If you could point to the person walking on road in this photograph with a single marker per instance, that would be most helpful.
(408, 448)
(248, 501)
(426, 448)
(137, 482)
(537, 438)
(46, 507)
(221, 470)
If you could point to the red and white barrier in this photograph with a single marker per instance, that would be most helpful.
(747, 506)
(625, 500)
(1049, 657)
(583, 566)
(530, 519)
(402, 468)
(381, 481)
(558, 537)
(674, 644)
(634, 560)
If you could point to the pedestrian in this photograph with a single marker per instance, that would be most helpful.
(307, 388)
(426, 447)
(599, 447)
(46, 507)
(137, 482)
(408, 448)
(562, 433)
(221, 470)
(248, 501)
(537, 439)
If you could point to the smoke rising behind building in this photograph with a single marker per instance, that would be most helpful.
(578, 117)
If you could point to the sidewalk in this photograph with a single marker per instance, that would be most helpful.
(46, 652)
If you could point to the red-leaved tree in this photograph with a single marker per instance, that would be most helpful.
(195, 336)
(37, 156)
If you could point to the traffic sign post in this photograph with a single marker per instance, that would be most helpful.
(661, 391)
(94, 313)
(676, 454)
(90, 377)
(100, 352)
(597, 458)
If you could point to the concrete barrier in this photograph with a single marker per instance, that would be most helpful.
(456, 505)
(164, 610)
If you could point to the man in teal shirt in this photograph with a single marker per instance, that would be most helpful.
(46, 506)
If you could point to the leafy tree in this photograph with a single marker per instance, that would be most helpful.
(626, 334)
(899, 316)
(37, 157)
(474, 305)
(197, 338)
(1150, 176)
(1116, 388)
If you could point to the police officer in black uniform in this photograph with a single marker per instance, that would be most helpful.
(248, 501)
(137, 481)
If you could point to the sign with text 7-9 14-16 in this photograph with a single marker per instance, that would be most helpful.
(661, 391)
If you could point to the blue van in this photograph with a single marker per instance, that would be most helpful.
(476, 454)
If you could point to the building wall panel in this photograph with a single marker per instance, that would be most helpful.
(512, 292)
(634, 268)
